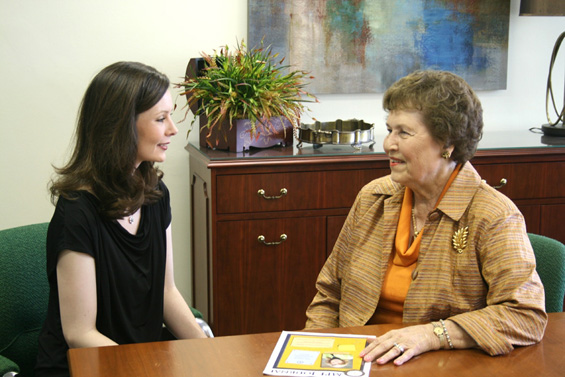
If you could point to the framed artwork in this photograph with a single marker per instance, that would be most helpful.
(363, 46)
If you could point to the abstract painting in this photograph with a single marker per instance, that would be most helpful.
(363, 46)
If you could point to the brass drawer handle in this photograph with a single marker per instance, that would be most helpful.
(261, 193)
(261, 239)
(501, 184)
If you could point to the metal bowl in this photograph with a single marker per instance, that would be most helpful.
(340, 132)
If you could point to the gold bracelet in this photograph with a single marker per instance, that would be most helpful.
(446, 333)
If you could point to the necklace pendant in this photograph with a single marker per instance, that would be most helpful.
(130, 220)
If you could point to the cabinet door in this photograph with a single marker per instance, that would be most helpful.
(552, 223)
(265, 288)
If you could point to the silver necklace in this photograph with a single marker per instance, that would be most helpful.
(416, 232)
(130, 220)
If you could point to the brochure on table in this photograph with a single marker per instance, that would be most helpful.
(318, 354)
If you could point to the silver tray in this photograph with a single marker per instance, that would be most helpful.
(340, 132)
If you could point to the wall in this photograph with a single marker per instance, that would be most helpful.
(51, 49)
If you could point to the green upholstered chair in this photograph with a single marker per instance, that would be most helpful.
(550, 265)
(24, 292)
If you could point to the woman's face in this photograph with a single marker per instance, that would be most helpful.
(415, 157)
(154, 130)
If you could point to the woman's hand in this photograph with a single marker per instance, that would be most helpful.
(401, 345)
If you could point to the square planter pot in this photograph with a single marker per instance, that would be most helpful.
(240, 137)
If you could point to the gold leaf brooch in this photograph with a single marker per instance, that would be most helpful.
(460, 239)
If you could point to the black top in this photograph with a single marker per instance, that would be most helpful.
(130, 274)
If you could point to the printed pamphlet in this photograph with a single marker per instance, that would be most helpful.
(318, 354)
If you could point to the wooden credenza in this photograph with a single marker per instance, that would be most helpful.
(264, 222)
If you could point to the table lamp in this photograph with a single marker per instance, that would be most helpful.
(549, 8)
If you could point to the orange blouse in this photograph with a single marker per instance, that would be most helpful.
(399, 274)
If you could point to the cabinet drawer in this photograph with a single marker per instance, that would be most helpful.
(526, 180)
(304, 190)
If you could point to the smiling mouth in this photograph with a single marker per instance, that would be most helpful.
(394, 161)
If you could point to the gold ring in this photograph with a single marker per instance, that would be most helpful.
(399, 347)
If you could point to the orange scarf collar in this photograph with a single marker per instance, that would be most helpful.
(406, 253)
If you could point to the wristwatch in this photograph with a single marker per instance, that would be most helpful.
(438, 330)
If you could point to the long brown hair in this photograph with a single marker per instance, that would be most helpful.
(105, 151)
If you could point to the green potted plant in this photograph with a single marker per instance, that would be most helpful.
(246, 95)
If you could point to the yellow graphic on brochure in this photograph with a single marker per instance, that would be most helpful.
(322, 353)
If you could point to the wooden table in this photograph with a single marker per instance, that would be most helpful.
(247, 355)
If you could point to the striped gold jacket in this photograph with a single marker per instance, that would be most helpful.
(488, 284)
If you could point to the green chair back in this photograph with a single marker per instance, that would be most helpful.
(196, 313)
(24, 292)
(550, 265)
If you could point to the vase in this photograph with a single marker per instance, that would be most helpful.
(241, 136)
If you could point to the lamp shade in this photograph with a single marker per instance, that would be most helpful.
(542, 8)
